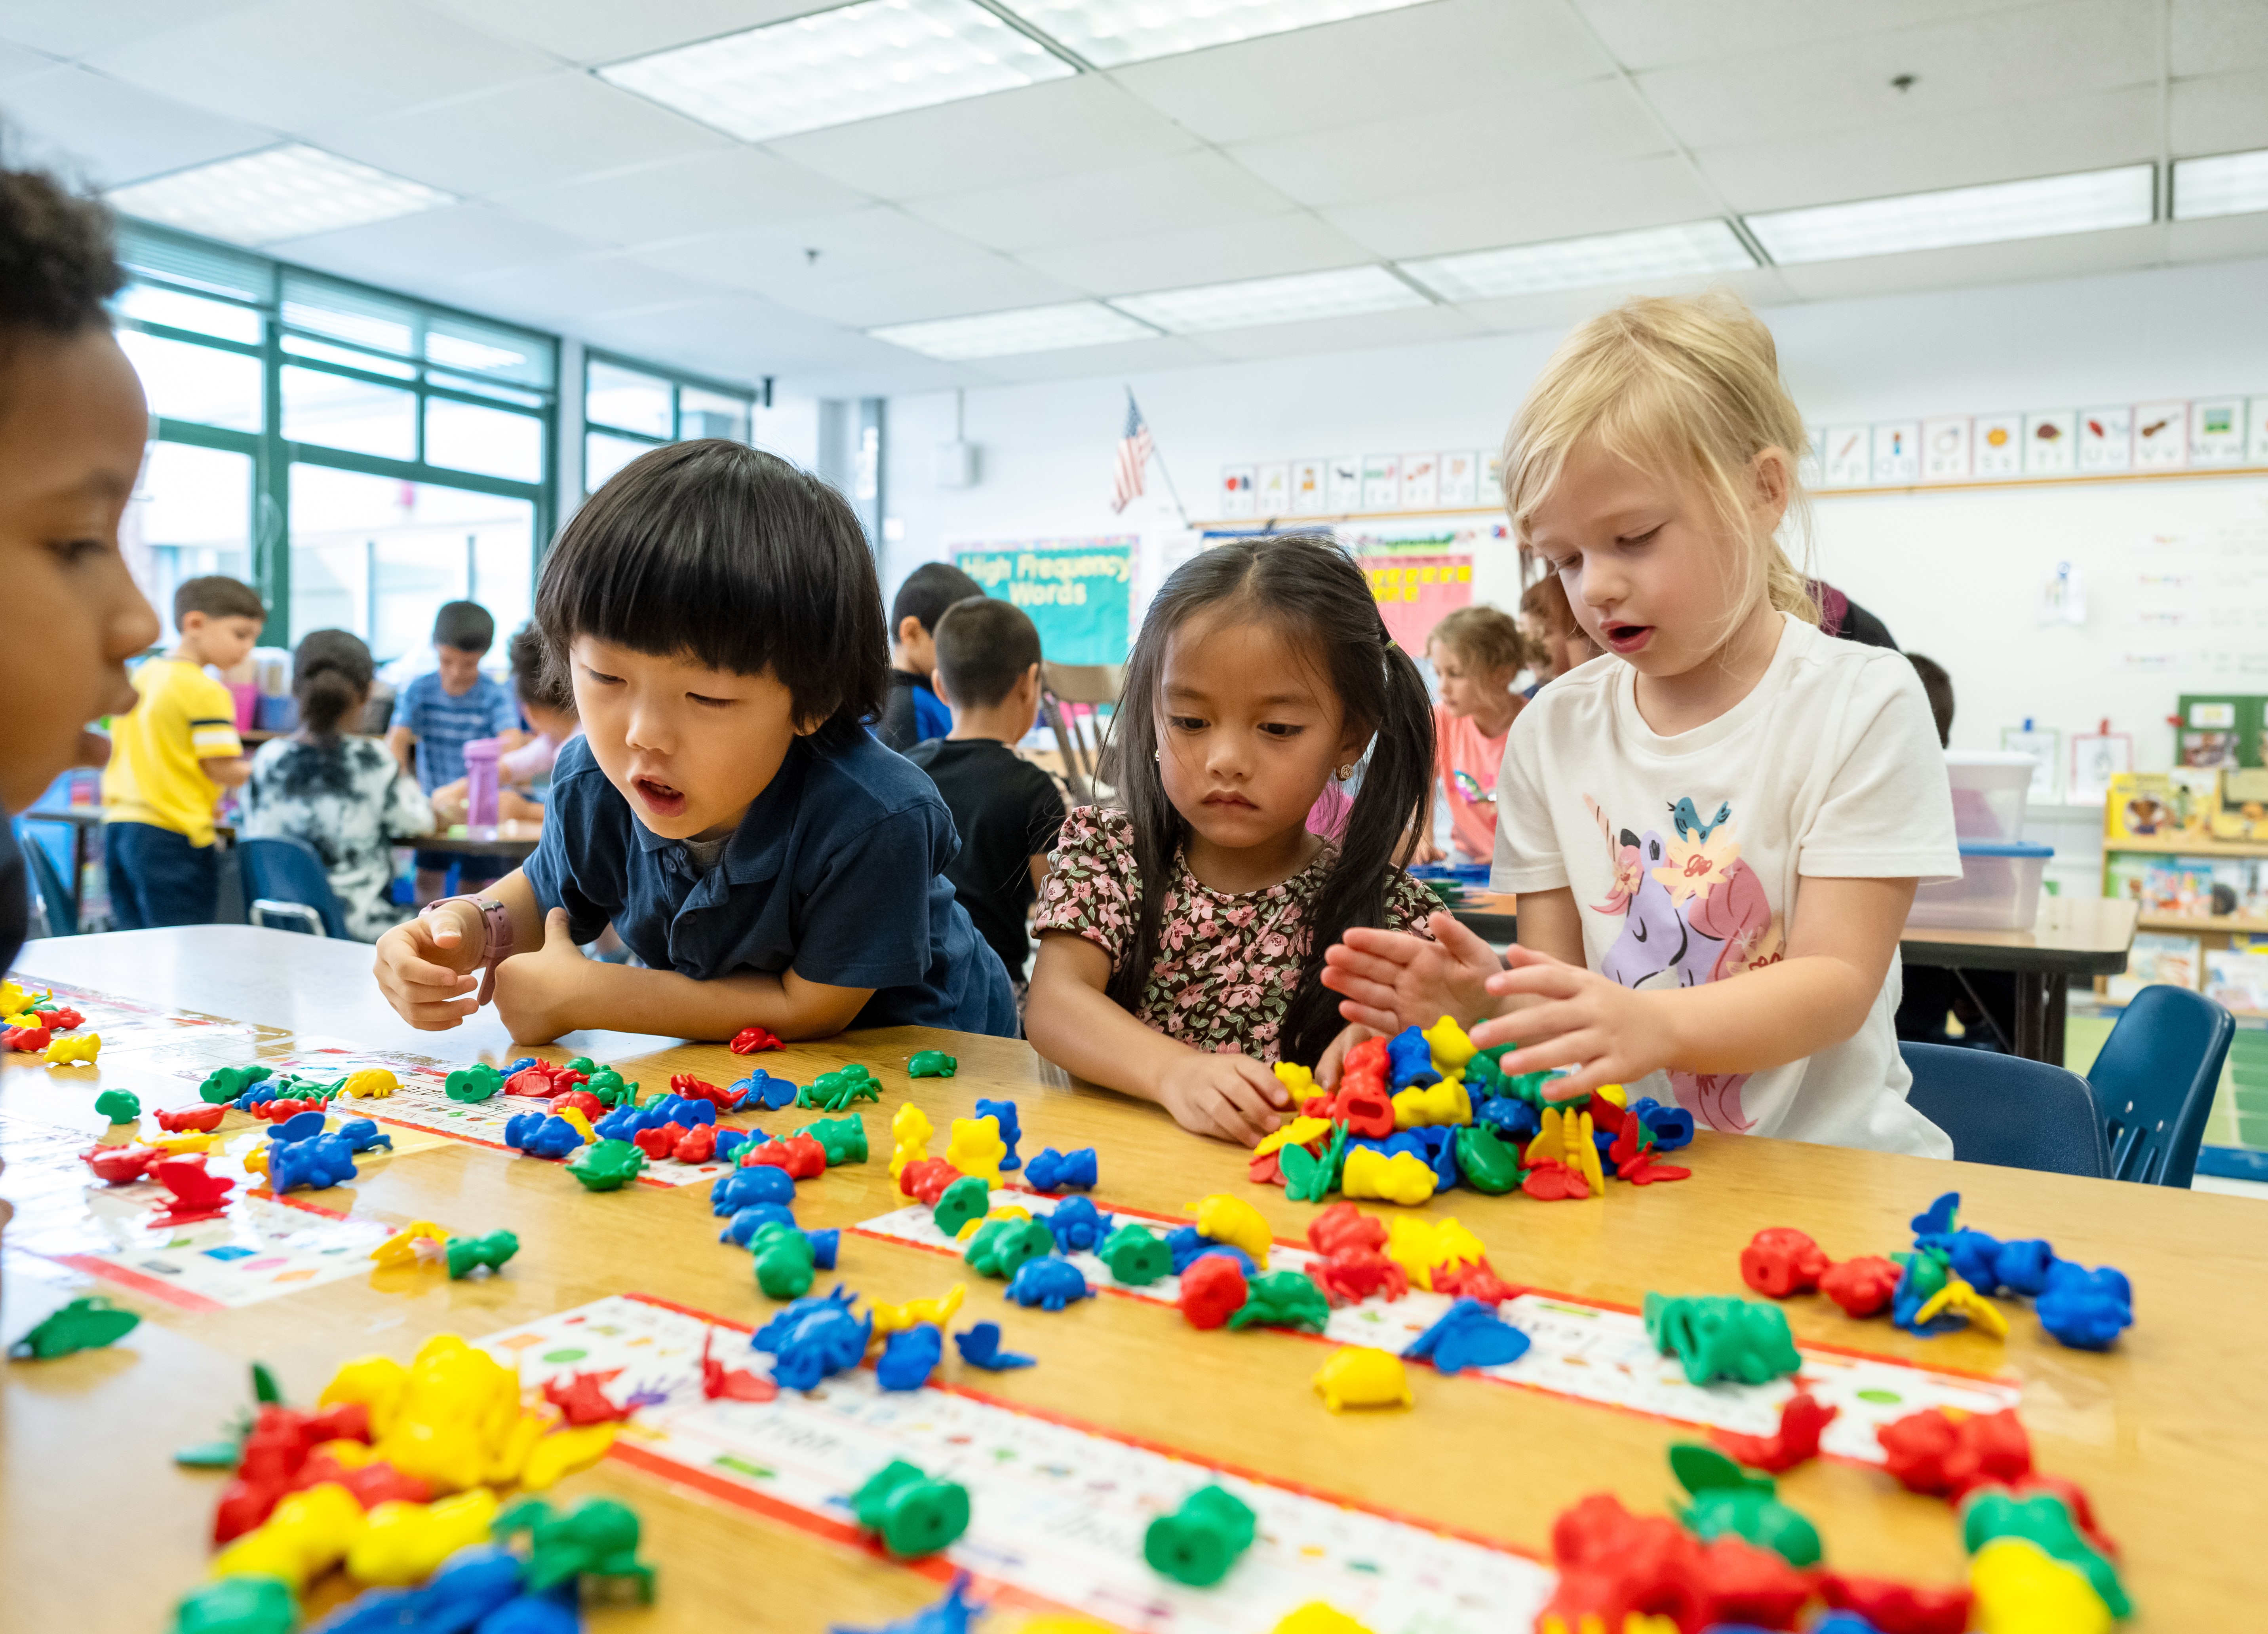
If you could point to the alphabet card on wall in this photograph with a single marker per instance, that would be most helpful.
(2106, 440)
(1381, 482)
(1996, 445)
(1271, 486)
(2217, 430)
(2051, 443)
(1236, 489)
(1461, 470)
(1346, 482)
(2256, 446)
(1897, 452)
(1310, 487)
(2162, 436)
(1421, 481)
(1945, 449)
(1850, 456)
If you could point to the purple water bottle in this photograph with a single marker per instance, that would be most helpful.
(480, 781)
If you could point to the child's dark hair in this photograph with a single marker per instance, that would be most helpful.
(984, 646)
(57, 261)
(712, 551)
(539, 680)
(331, 673)
(217, 595)
(927, 591)
(1937, 686)
(467, 626)
(1310, 589)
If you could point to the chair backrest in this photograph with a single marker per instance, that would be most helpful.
(1069, 696)
(2154, 1082)
(289, 870)
(55, 904)
(2003, 1109)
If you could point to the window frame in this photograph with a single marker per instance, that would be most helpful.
(679, 382)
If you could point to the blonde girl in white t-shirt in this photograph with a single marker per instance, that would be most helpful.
(1726, 794)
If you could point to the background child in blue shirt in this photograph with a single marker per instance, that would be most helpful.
(725, 808)
(442, 711)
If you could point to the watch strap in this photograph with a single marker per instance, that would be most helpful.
(496, 924)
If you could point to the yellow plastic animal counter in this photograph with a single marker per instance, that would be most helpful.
(74, 1052)
(1445, 1103)
(402, 1543)
(911, 1129)
(371, 1083)
(1450, 1048)
(1359, 1376)
(1404, 1178)
(938, 1312)
(1232, 1220)
(975, 1147)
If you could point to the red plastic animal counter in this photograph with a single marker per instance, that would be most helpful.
(752, 1039)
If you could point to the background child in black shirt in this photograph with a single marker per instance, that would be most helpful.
(1006, 809)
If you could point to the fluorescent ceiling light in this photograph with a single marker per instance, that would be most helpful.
(285, 192)
(1108, 32)
(1005, 334)
(856, 61)
(1254, 301)
(2086, 201)
(1693, 250)
(2227, 184)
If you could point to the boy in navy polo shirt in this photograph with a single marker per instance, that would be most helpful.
(444, 710)
(725, 809)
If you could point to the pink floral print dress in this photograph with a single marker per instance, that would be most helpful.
(1227, 965)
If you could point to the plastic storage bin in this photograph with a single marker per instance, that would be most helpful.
(1998, 889)
(1989, 789)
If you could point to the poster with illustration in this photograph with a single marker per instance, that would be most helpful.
(2217, 430)
(1310, 487)
(1419, 579)
(1421, 481)
(1996, 446)
(1945, 449)
(1236, 490)
(2051, 443)
(1461, 472)
(1381, 482)
(1272, 490)
(1850, 456)
(2106, 440)
(1345, 483)
(2256, 441)
(2162, 437)
(1897, 452)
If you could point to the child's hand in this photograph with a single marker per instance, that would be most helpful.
(1391, 980)
(1605, 1032)
(1327, 1070)
(423, 967)
(448, 803)
(535, 992)
(1228, 1097)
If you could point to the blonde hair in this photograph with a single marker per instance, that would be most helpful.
(1483, 636)
(1674, 384)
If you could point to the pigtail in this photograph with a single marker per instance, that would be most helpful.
(1130, 763)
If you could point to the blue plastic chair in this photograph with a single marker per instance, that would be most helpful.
(2003, 1109)
(283, 881)
(55, 904)
(2154, 1082)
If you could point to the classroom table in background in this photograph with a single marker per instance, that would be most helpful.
(2167, 1433)
(1491, 915)
(515, 841)
(2074, 936)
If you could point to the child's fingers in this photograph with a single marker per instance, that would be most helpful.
(1270, 1087)
(1460, 942)
(1247, 1104)
(1553, 980)
(1573, 1049)
(1362, 988)
(1327, 1070)
(422, 976)
(1516, 956)
(436, 1015)
(1368, 1016)
(1396, 945)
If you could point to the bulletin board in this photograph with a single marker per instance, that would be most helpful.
(1076, 590)
(2171, 595)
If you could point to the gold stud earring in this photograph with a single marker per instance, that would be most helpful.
(1345, 772)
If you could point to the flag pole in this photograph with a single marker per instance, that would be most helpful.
(1159, 454)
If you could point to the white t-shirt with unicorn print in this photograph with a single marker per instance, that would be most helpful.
(1683, 855)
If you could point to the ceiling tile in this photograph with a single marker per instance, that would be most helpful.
(1559, 201)
(1994, 60)
(74, 27)
(1562, 309)
(521, 135)
(606, 31)
(1168, 351)
(104, 132)
(1960, 150)
(2218, 238)
(735, 336)
(458, 243)
(1413, 327)
(1653, 33)
(680, 198)
(2217, 36)
(562, 293)
(1157, 195)
(1296, 242)
(2072, 256)
(2223, 115)
(21, 62)
(1587, 121)
(953, 290)
(1451, 51)
(777, 259)
(1049, 130)
(297, 63)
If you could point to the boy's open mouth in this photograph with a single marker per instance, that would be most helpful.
(660, 798)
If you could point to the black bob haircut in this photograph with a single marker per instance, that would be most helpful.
(467, 626)
(927, 591)
(984, 646)
(713, 552)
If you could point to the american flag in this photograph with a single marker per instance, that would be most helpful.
(1133, 455)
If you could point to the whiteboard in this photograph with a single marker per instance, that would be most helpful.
(2173, 572)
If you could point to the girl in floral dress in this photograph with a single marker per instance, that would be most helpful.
(1182, 929)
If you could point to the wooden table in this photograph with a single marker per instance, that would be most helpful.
(511, 840)
(2168, 1433)
(2074, 936)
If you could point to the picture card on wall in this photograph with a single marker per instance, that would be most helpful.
(1310, 486)
(1493, 474)
(1346, 482)
(1381, 482)
(1996, 445)
(1460, 475)
(1850, 458)
(1271, 486)
(2162, 436)
(2106, 440)
(1810, 468)
(1945, 449)
(2051, 443)
(1236, 495)
(2255, 441)
(1421, 481)
(1897, 452)
(2217, 430)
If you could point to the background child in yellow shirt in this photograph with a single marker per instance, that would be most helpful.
(171, 758)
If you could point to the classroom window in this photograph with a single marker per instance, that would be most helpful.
(629, 401)
(465, 436)
(339, 411)
(201, 384)
(629, 408)
(191, 515)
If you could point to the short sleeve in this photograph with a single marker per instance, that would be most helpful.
(1888, 810)
(1408, 905)
(1528, 856)
(578, 864)
(405, 707)
(212, 722)
(1092, 885)
(864, 919)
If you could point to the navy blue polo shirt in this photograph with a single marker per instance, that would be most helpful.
(837, 869)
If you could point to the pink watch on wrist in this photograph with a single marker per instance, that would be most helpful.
(495, 924)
